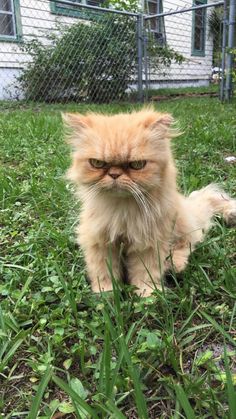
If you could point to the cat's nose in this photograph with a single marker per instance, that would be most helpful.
(114, 172)
(114, 175)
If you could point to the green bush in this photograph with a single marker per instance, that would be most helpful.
(89, 61)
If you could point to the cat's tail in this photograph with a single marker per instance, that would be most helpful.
(210, 201)
(199, 209)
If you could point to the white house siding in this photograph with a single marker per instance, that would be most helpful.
(195, 70)
(36, 20)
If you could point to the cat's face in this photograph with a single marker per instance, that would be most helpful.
(119, 153)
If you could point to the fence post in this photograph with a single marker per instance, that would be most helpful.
(229, 66)
(140, 56)
(222, 83)
(145, 56)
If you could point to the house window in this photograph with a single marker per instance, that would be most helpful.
(9, 20)
(61, 8)
(157, 25)
(199, 29)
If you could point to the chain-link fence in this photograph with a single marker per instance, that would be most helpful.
(70, 52)
(190, 51)
(62, 50)
(186, 41)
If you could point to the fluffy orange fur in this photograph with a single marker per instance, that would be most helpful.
(133, 201)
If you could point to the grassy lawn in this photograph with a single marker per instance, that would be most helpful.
(67, 353)
(165, 93)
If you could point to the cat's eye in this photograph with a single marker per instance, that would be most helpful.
(137, 164)
(98, 164)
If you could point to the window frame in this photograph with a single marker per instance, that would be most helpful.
(82, 13)
(195, 52)
(160, 27)
(15, 13)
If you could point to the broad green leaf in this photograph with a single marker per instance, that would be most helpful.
(203, 358)
(67, 363)
(66, 407)
(74, 396)
(78, 388)
(153, 341)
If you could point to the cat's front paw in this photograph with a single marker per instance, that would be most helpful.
(104, 285)
(144, 292)
(178, 260)
(145, 289)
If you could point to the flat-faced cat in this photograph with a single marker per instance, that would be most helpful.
(125, 177)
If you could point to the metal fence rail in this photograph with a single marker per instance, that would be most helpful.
(63, 50)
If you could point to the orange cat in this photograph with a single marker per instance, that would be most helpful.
(126, 181)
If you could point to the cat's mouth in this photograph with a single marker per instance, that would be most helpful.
(123, 193)
(118, 189)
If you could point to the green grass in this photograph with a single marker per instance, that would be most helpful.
(64, 350)
(212, 88)
(168, 93)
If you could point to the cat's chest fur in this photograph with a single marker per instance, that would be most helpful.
(121, 219)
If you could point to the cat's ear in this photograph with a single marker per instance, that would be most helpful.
(76, 124)
(160, 124)
(76, 121)
(164, 119)
(154, 120)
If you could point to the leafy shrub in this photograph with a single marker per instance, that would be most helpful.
(92, 60)
(215, 27)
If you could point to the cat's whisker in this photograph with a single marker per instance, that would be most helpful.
(143, 202)
(160, 194)
(142, 206)
(91, 192)
(151, 202)
(153, 211)
(136, 197)
(139, 195)
(146, 200)
(134, 193)
(144, 214)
